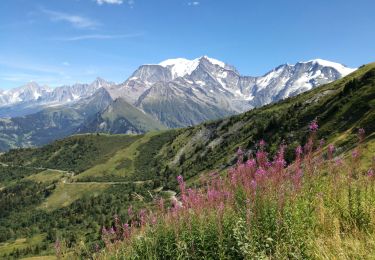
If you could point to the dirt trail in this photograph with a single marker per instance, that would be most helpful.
(36, 168)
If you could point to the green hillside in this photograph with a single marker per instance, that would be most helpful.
(122, 117)
(93, 177)
(76, 153)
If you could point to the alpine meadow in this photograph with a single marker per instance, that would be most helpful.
(187, 158)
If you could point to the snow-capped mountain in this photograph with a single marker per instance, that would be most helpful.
(181, 67)
(182, 92)
(32, 97)
(29, 92)
(65, 94)
(290, 80)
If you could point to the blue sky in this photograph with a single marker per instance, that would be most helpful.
(59, 42)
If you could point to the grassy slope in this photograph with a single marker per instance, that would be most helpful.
(119, 166)
(76, 153)
(66, 193)
(47, 176)
(341, 108)
(339, 113)
(20, 243)
(122, 109)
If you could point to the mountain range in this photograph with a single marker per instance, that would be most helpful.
(174, 93)
(33, 97)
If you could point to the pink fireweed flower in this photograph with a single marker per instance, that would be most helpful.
(194, 198)
(370, 173)
(338, 161)
(221, 209)
(331, 150)
(321, 143)
(251, 163)
(181, 184)
(308, 147)
(262, 158)
(180, 179)
(299, 151)
(97, 248)
(361, 134)
(297, 178)
(213, 195)
(106, 236)
(58, 247)
(261, 172)
(161, 204)
(314, 126)
(231, 171)
(280, 163)
(262, 144)
(135, 223)
(142, 216)
(104, 230)
(240, 152)
(253, 184)
(153, 220)
(241, 167)
(355, 153)
(232, 176)
(126, 230)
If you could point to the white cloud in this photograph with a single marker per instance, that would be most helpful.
(195, 3)
(100, 37)
(115, 2)
(75, 20)
(118, 2)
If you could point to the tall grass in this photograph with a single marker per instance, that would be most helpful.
(318, 207)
